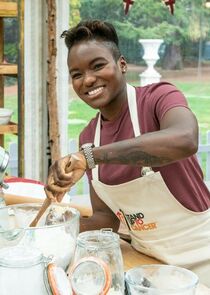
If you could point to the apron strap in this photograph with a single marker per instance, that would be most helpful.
(95, 171)
(132, 105)
(131, 93)
(135, 120)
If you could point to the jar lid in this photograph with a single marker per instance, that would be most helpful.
(20, 256)
(90, 275)
(58, 281)
(104, 238)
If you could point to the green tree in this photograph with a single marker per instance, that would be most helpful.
(11, 40)
(178, 31)
(74, 12)
(109, 10)
(151, 19)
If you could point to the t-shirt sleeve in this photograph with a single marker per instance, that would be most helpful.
(88, 133)
(165, 96)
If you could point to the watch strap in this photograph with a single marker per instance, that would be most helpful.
(87, 149)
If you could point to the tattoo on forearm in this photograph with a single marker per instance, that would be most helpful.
(135, 158)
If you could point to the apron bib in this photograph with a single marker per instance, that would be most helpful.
(158, 224)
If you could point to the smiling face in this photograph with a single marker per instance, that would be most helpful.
(96, 77)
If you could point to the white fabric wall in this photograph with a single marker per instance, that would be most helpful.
(35, 42)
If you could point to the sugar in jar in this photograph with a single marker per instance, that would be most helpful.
(97, 254)
(24, 270)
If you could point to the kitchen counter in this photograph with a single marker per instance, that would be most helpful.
(133, 258)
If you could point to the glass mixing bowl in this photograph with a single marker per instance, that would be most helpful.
(161, 279)
(56, 237)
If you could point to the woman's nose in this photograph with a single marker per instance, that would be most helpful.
(89, 78)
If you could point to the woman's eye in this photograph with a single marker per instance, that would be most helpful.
(76, 76)
(99, 66)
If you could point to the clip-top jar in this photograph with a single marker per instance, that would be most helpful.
(104, 245)
(24, 270)
(21, 271)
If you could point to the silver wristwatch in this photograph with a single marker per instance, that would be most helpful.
(87, 149)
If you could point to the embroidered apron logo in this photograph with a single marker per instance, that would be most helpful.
(135, 221)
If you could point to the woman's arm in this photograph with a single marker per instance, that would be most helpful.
(176, 139)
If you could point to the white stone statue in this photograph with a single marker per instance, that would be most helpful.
(150, 75)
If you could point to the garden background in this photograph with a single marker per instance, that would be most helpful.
(184, 55)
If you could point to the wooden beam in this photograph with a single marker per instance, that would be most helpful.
(8, 9)
(54, 134)
(8, 69)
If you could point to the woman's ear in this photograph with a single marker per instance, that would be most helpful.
(123, 64)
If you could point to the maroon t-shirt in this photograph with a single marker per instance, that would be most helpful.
(184, 178)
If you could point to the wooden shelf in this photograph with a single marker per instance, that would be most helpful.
(8, 69)
(15, 9)
(8, 9)
(9, 128)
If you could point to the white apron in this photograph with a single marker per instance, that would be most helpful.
(158, 224)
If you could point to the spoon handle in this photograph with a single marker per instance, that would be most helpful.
(45, 205)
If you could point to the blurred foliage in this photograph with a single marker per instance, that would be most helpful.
(74, 12)
(10, 45)
(145, 19)
(151, 19)
(10, 40)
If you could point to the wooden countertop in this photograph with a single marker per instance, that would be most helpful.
(133, 258)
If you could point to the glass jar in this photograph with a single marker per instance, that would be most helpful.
(25, 270)
(21, 271)
(98, 253)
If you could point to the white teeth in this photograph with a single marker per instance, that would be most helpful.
(95, 91)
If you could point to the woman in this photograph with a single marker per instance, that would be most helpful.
(138, 154)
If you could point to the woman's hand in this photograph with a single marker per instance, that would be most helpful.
(63, 174)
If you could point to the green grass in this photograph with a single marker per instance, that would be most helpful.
(201, 108)
(11, 103)
(197, 94)
(80, 111)
(198, 97)
(194, 88)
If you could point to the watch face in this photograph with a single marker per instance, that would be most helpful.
(87, 145)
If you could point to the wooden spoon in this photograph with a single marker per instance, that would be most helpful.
(45, 205)
(48, 201)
